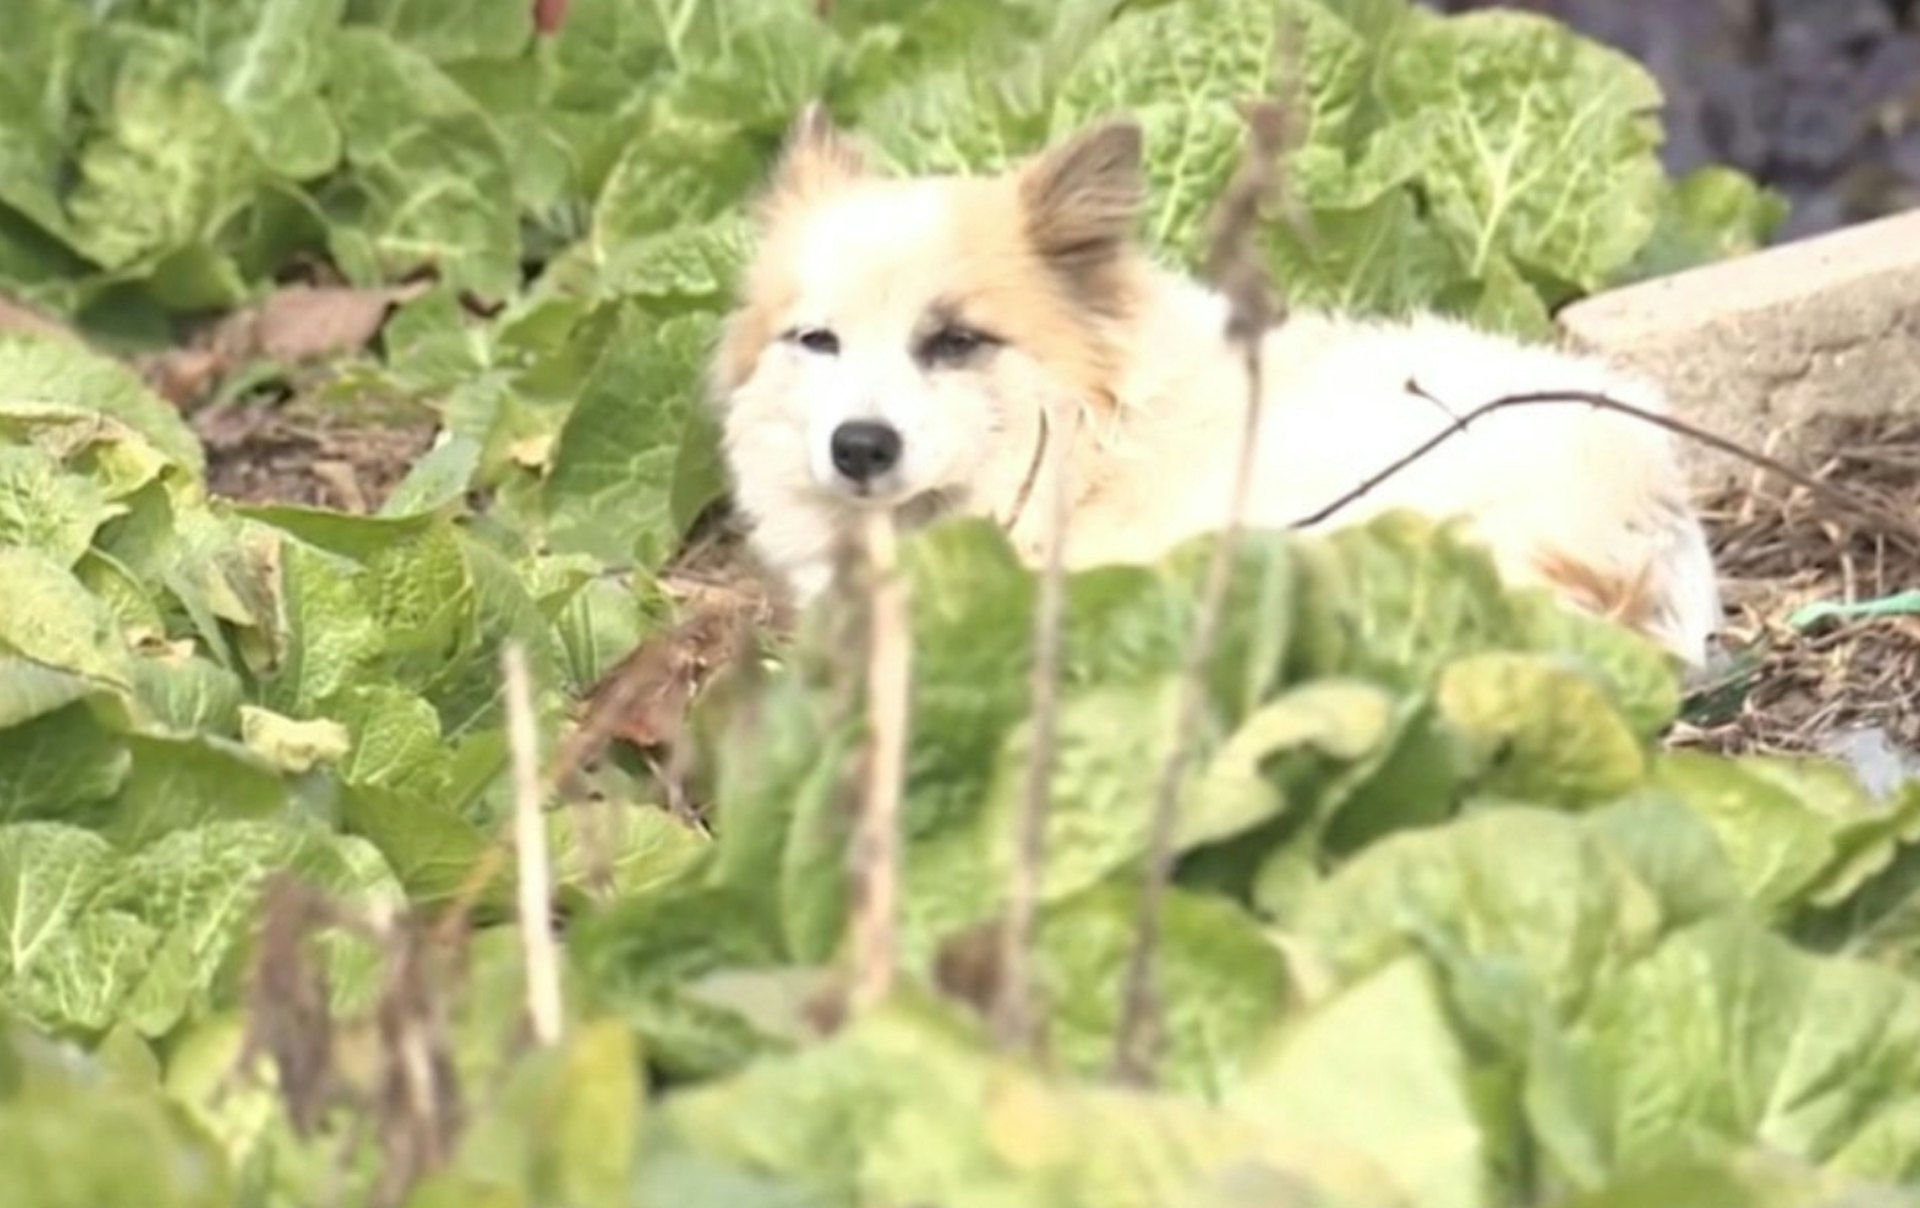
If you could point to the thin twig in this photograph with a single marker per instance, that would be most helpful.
(1015, 1019)
(875, 850)
(672, 778)
(1836, 495)
(1243, 280)
(530, 841)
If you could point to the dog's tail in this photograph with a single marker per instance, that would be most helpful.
(1659, 580)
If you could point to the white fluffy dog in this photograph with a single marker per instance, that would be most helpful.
(944, 344)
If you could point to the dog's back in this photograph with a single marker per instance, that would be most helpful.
(1590, 502)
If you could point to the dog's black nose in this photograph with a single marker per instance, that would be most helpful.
(864, 450)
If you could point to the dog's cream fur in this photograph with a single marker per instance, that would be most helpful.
(1129, 368)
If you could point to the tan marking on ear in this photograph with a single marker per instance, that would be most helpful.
(1628, 599)
(1004, 283)
(1081, 203)
(1045, 255)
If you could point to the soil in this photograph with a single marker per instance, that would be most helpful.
(1779, 548)
(299, 452)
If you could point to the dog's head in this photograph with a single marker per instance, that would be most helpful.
(897, 338)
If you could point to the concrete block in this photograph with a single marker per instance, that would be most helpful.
(1753, 347)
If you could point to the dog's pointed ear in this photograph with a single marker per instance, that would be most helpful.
(814, 156)
(1083, 198)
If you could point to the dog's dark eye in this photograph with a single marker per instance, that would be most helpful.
(952, 344)
(816, 339)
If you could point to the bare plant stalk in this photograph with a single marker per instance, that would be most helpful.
(1868, 509)
(530, 844)
(1015, 1020)
(876, 838)
(1237, 269)
(289, 1020)
(418, 1104)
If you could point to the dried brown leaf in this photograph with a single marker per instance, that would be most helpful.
(304, 323)
(643, 699)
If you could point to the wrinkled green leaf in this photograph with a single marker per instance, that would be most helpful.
(179, 783)
(1224, 984)
(1777, 845)
(450, 29)
(564, 1126)
(1529, 142)
(431, 184)
(159, 184)
(611, 487)
(60, 765)
(40, 506)
(431, 847)
(630, 851)
(902, 1107)
(1729, 1037)
(1378, 1071)
(1395, 598)
(51, 1123)
(1179, 69)
(49, 875)
(1564, 919)
(268, 60)
(1711, 213)
(48, 616)
(641, 956)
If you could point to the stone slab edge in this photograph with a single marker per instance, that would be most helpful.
(1753, 347)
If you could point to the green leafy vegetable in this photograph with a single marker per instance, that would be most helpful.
(1450, 923)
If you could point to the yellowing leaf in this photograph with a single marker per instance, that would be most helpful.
(297, 746)
(1543, 729)
(431, 185)
(1776, 844)
(48, 616)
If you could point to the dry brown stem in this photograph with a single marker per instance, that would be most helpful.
(1016, 1021)
(419, 1104)
(1242, 278)
(875, 850)
(1855, 504)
